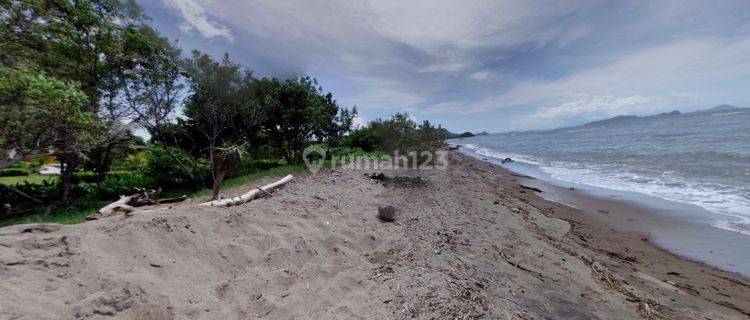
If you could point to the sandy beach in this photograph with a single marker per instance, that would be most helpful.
(469, 242)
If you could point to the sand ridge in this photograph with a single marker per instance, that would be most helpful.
(466, 245)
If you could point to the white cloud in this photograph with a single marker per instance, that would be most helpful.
(461, 58)
(680, 64)
(196, 19)
(584, 108)
(358, 122)
(385, 93)
(480, 75)
(435, 26)
(448, 66)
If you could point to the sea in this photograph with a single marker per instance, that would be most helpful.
(700, 159)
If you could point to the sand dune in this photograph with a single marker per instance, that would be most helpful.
(465, 245)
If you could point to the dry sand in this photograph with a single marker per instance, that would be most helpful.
(466, 245)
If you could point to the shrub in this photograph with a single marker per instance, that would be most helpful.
(133, 162)
(86, 177)
(118, 184)
(169, 174)
(362, 139)
(399, 132)
(14, 172)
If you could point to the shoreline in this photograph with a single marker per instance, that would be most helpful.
(468, 242)
(615, 233)
(681, 229)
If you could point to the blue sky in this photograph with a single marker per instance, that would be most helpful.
(485, 65)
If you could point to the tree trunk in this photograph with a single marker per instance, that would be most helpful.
(218, 179)
(68, 165)
(104, 162)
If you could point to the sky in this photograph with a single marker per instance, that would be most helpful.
(484, 65)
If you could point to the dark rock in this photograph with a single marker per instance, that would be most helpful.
(377, 176)
(506, 160)
(387, 213)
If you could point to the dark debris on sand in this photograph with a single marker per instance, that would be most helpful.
(397, 181)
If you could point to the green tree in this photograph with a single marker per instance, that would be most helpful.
(297, 112)
(222, 109)
(76, 42)
(37, 114)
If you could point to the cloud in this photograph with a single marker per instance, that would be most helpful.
(680, 64)
(513, 60)
(358, 122)
(480, 75)
(585, 108)
(196, 19)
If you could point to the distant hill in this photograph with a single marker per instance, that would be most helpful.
(451, 135)
(721, 108)
(624, 118)
(610, 120)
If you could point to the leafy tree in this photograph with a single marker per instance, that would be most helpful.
(399, 133)
(37, 113)
(75, 42)
(298, 111)
(40, 115)
(222, 109)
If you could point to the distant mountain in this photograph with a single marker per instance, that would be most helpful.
(483, 133)
(450, 135)
(624, 118)
(610, 120)
(721, 108)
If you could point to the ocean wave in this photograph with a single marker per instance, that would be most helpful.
(720, 199)
(490, 153)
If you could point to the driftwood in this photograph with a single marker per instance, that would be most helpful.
(173, 200)
(252, 194)
(127, 204)
(485, 170)
(117, 206)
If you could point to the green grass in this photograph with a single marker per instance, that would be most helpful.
(31, 178)
(245, 179)
(57, 217)
(92, 206)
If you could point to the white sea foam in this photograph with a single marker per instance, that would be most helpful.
(723, 200)
(717, 199)
(499, 155)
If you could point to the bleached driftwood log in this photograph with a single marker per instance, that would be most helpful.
(127, 204)
(252, 194)
(117, 206)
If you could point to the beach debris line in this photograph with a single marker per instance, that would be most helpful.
(127, 204)
(387, 213)
(530, 188)
(397, 181)
(485, 170)
(252, 194)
